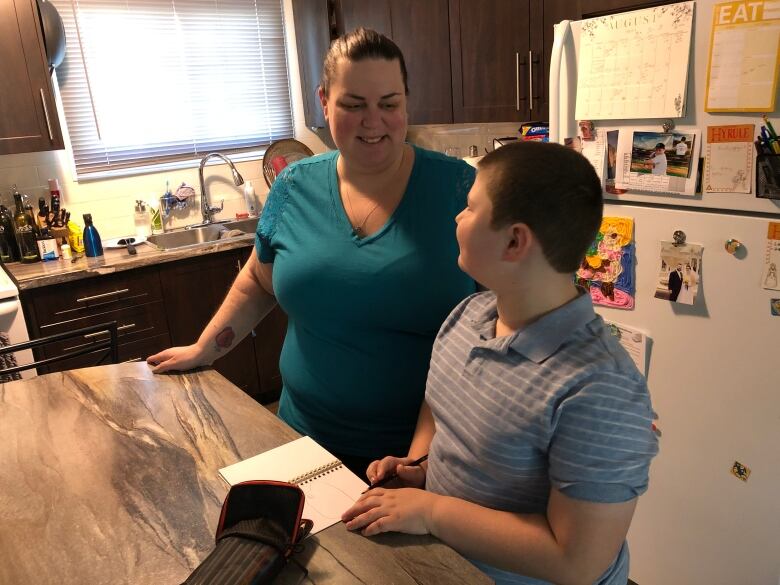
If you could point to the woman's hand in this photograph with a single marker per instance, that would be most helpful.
(401, 510)
(408, 475)
(178, 359)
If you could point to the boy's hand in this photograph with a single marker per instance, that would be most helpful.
(401, 510)
(408, 476)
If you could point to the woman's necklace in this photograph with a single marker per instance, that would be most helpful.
(359, 230)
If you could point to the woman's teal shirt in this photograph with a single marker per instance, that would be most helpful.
(363, 313)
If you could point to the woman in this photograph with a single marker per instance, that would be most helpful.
(687, 294)
(358, 245)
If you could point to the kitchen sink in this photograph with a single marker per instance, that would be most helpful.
(248, 225)
(201, 235)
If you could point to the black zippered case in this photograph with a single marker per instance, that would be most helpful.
(259, 528)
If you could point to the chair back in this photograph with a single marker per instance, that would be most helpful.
(102, 340)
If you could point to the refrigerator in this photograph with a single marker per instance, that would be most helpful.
(713, 367)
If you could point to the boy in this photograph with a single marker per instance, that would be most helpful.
(659, 160)
(537, 423)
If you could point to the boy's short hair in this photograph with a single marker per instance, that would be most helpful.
(553, 190)
(661, 145)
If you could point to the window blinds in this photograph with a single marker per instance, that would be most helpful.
(152, 81)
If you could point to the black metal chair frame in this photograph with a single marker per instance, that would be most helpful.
(109, 344)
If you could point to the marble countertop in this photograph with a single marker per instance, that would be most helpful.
(39, 274)
(110, 475)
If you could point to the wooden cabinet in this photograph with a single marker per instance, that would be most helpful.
(133, 299)
(193, 289)
(467, 61)
(28, 116)
(419, 28)
(158, 307)
(496, 68)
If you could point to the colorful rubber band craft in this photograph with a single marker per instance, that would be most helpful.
(607, 270)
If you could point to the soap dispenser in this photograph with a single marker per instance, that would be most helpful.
(250, 199)
(142, 219)
(92, 245)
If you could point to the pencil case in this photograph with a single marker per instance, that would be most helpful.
(260, 527)
(768, 176)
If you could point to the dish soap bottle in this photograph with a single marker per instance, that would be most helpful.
(156, 224)
(142, 219)
(92, 245)
(250, 199)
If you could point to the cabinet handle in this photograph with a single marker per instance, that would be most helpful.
(135, 359)
(46, 113)
(517, 81)
(238, 265)
(118, 329)
(102, 296)
(531, 81)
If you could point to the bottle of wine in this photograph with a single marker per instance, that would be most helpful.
(43, 213)
(25, 232)
(9, 252)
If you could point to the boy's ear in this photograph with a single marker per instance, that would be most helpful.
(519, 244)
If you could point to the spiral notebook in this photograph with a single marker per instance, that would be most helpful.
(329, 487)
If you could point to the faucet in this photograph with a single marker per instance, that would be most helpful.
(205, 206)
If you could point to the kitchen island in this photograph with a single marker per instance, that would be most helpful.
(110, 475)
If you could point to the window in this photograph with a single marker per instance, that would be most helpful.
(146, 82)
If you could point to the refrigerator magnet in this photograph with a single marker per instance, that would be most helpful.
(774, 307)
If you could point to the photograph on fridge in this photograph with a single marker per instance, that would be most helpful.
(611, 185)
(679, 275)
(661, 153)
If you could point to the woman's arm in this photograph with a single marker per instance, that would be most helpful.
(249, 299)
(572, 544)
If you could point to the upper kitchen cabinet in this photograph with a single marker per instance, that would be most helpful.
(497, 70)
(28, 116)
(419, 27)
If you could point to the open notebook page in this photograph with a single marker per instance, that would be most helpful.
(329, 487)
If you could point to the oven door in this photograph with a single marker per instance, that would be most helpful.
(13, 325)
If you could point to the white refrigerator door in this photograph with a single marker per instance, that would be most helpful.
(715, 384)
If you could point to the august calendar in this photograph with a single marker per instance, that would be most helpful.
(634, 64)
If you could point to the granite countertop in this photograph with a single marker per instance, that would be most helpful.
(110, 475)
(39, 274)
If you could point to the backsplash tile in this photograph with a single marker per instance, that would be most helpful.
(111, 201)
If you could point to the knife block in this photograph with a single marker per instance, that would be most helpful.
(59, 234)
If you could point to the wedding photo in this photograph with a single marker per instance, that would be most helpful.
(679, 273)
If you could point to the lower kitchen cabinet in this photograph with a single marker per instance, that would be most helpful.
(158, 307)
